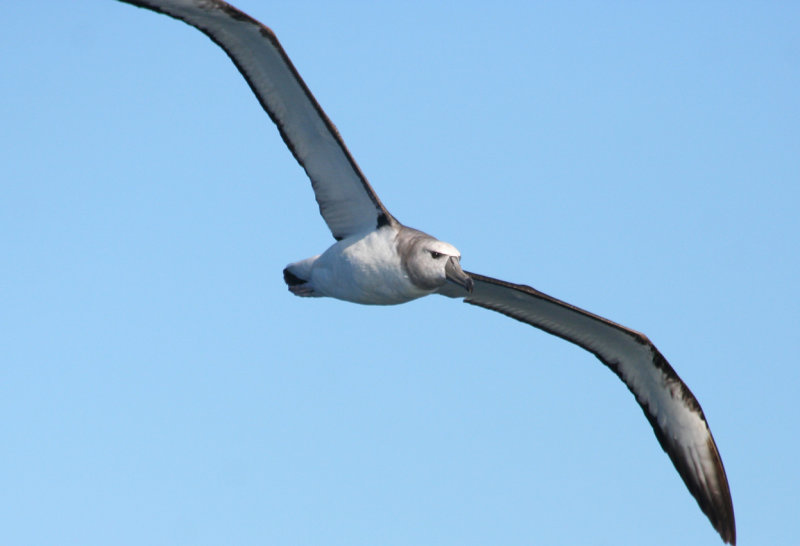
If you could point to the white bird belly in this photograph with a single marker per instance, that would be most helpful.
(365, 269)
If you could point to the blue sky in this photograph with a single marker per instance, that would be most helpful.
(160, 385)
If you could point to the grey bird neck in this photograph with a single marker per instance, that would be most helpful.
(409, 242)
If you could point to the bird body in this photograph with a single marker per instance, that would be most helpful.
(377, 260)
(386, 266)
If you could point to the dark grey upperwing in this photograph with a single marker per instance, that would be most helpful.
(668, 404)
(346, 200)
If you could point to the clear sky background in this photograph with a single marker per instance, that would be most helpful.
(159, 384)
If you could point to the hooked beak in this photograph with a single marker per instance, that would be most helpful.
(454, 273)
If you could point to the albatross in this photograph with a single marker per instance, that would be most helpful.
(377, 260)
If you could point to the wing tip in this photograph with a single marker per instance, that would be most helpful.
(708, 483)
(719, 506)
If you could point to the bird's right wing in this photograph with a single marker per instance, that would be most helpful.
(346, 201)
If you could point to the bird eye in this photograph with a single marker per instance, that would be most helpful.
(435, 255)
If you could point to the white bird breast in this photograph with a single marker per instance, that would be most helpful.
(365, 268)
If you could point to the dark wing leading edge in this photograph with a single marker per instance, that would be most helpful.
(668, 404)
(346, 200)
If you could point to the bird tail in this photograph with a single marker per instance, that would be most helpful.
(297, 277)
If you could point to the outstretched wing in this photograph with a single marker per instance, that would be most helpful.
(669, 405)
(346, 200)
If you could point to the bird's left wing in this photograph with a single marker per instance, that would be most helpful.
(346, 201)
(668, 404)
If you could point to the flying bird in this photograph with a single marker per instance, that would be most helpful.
(378, 260)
